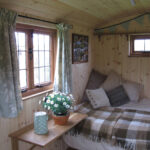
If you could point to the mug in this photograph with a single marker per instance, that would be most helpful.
(40, 122)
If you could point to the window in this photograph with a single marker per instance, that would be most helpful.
(21, 52)
(36, 55)
(139, 45)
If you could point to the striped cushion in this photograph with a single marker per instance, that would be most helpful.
(117, 96)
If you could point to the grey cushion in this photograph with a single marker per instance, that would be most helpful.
(113, 80)
(95, 81)
(133, 90)
(117, 96)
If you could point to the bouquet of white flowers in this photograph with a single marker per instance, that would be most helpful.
(59, 103)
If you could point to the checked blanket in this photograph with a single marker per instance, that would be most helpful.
(129, 129)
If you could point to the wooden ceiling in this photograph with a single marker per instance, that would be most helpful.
(91, 13)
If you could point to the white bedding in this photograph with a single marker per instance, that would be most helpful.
(81, 143)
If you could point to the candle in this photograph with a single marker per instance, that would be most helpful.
(40, 122)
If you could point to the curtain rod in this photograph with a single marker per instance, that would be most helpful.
(37, 19)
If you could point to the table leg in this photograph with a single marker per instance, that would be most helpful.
(14, 143)
(32, 147)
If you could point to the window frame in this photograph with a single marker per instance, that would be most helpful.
(134, 53)
(29, 30)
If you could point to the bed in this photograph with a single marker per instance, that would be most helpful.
(84, 142)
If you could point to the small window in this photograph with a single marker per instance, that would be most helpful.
(139, 45)
(35, 50)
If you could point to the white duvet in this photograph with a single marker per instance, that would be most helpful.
(81, 143)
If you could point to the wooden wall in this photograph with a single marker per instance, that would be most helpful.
(111, 53)
(80, 72)
(80, 76)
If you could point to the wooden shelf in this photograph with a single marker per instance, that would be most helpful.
(27, 134)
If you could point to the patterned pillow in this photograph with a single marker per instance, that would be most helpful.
(95, 81)
(98, 98)
(117, 96)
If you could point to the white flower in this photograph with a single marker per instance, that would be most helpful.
(67, 106)
(59, 99)
(71, 96)
(48, 101)
(48, 107)
(63, 99)
(45, 106)
(52, 102)
(64, 103)
(68, 97)
(52, 95)
(56, 105)
(39, 102)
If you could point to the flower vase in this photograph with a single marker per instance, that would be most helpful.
(60, 119)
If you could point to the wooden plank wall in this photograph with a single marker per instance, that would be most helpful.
(111, 53)
(80, 72)
(80, 76)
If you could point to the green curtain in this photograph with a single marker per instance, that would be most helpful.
(10, 93)
(63, 72)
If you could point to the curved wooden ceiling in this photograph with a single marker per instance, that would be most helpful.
(91, 13)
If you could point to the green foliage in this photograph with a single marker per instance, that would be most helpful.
(58, 103)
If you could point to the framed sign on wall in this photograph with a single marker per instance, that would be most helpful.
(79, 48)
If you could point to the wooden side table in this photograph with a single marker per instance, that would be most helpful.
(27, 134)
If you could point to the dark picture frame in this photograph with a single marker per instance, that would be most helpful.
(79, 48)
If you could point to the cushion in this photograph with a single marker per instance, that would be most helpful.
(113, 80)
(98, 98)
(95, 81)
(133, 90)
(118, 96)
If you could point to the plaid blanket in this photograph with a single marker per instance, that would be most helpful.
(129, 129)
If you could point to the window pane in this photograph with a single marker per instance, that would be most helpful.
(21, 51)
(36, 58)
(47, 74)
(41, 58)
(139, 45)
(41, 42)
(21, 37)
(47, 58)
(147, 45)
(41, 75)
(17, 40)
(20, 41)
(23, 79)
(22, 60)
(35, 42)
(36, 76)
(47, 42)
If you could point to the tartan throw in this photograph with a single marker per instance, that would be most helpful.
(129, 129)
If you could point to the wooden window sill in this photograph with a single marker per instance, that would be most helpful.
(37, 94)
